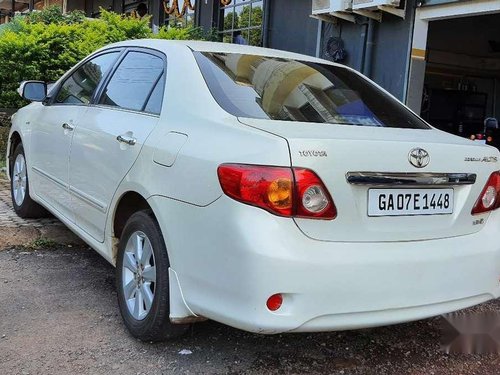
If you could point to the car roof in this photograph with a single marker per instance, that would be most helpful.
(203, 46)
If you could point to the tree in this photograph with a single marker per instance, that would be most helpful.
(228, 21)
(252, 20)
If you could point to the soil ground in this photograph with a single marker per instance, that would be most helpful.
(59, 315)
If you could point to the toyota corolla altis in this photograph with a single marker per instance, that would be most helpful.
(266, 190)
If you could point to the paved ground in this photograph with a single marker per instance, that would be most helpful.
(9, 219)
(16, 231)
(59, 315)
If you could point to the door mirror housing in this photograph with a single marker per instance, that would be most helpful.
(34, 91)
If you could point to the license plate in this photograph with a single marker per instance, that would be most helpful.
(405, 202)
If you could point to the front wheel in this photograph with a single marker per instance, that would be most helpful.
(142, 280)
(24, 206)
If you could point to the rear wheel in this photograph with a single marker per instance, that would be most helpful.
(24, 206)
(142, 280)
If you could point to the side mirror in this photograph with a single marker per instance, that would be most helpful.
(490, 123)
(34, 91)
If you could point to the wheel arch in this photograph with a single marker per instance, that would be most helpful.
(14, 140)
(129, 203)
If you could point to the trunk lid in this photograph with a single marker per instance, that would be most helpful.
(336, 151)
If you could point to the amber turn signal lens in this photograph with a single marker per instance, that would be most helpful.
(280, 193)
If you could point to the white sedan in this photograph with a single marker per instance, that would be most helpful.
(266, 190)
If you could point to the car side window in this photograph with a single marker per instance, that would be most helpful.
(136, 80)
(155, 100)
(80, 86)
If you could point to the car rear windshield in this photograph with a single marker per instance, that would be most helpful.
(282, 89)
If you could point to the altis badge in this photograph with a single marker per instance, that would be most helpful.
(484, 159)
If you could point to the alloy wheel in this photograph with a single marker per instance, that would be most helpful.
(19, 180)
(139, 275)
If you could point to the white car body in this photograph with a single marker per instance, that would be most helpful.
(228, 258)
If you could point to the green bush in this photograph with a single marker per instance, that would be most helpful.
(4, 135)
(44, 45)
(186, 33)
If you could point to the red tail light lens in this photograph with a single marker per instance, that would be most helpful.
(283, 191)
(269, 188)
(490, 196)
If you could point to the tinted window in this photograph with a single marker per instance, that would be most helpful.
(290, 90)
(156, 98)
(133, 81)
(80, 86)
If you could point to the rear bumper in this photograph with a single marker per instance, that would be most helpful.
(230, 258)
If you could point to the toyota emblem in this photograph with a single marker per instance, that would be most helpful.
(419, 158)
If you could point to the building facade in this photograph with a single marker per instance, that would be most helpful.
(441, 57)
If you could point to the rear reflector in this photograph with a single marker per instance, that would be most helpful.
(296, 192)
(490, 196)
(274, 302)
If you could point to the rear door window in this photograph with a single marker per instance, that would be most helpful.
(291, 90)
(134, 82)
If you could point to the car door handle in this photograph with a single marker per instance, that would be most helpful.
(67, 126)
(131, 141)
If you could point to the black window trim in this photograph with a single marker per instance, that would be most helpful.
(160, 77)
(104, 83)
(51, 101)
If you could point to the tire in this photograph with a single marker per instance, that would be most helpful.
(24, 206)
(143, 293)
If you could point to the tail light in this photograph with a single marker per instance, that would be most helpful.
(490, 196)
(290, 192)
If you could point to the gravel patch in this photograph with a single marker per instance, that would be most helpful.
(59, 315)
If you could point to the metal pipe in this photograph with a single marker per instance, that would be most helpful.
(155, 12)
(265, 23)
(368, 58)
(409, 61)
(318, 38)
(363, 47)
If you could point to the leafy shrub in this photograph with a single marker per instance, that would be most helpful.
(4, 135)
(186, 33)
(44, 45)
(53, 14)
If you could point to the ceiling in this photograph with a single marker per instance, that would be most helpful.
(474, 36)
